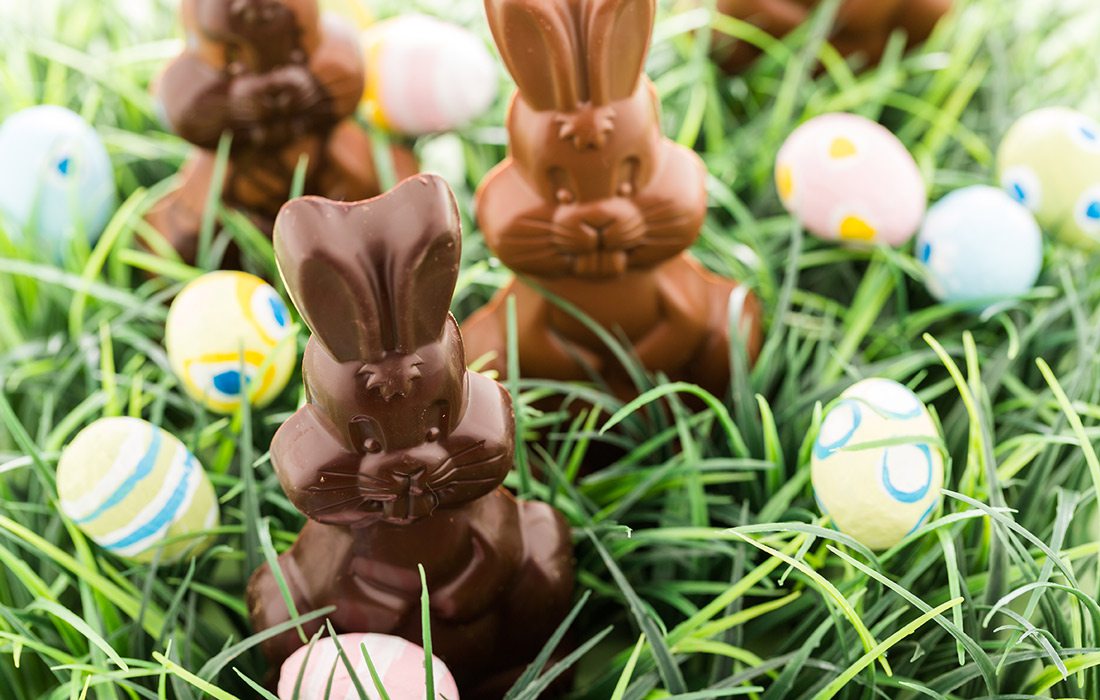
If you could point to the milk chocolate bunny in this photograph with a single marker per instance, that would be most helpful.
(283, 82)
(398, 456)
(597, 207)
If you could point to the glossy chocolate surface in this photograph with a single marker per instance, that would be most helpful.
(398, 457)
(284, 82)
(861, 27)
(595, 206)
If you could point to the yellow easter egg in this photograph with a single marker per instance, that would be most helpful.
(228, 335)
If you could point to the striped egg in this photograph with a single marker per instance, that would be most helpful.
(1049, 161)
(398, 663)
(425, 75)
(877, 467)
(848, 179)
(135, 489)
(224, 323)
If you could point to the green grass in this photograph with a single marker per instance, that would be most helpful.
(702, 549)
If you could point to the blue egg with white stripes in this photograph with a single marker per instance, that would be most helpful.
(137, 491)
(877, 464)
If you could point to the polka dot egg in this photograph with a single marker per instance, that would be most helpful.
(425, 75)
(399, 664)
(223, 323)
(130, 486)
(56, 179)
(874, 492)
(848, 179)
(979, 245)
(1050, 162)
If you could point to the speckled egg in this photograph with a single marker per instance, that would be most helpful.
(873, 492)
(1050, 162)
(130, 486)
(847, 178)
(56, 179)
(399, 664)
(224, 322)
(978, 245)
(425, 75)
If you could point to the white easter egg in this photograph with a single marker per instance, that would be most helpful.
(878, 493)
(425, 75)
(399, 664)
(847, 178)
(130, 485)
(980, 245)
(224, 322)
(56, 178)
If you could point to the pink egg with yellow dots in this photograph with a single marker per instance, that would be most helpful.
(398, 663)
(848, 179)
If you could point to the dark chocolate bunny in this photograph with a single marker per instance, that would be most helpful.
(284, 83)
(398, 456)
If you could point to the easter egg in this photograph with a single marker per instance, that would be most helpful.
(1050, 162)
(224, 323)
(130, 485)
(425, 75)
(56, 179)
(877, 493)
(979, 245)
(847, 178)
(398, 663)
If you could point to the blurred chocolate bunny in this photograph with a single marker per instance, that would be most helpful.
(597, 207)
(398, 457)
(284, 82)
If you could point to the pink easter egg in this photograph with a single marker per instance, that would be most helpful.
(399, 663)
(847, 178)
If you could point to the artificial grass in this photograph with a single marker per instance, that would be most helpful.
(707, 569)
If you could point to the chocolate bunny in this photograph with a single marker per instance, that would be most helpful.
(861, 26)
(284, 82)
(398, 456)
(597, 207)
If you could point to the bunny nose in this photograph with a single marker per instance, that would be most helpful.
(594, 230)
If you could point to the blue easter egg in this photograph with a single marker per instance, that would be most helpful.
(978, 245)
(55, 176)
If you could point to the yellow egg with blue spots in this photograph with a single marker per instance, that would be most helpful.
(228, 336)
(877, 465)
(135, 490)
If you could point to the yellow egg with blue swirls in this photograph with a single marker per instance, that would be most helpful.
(877, 465)
(130, 486)
(229, 334)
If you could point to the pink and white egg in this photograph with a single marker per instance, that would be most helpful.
(848, 179)
(425, 75)
(399, 664)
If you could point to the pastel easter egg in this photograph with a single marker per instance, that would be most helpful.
(425, 75)
(56, 179)
(399, 664)
(978, 245)
(873, 491)
(1050, 162)
(130, 486)
(847, 178)
(223, 324)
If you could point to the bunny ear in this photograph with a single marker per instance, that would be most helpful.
(539, 45)
(617, 40)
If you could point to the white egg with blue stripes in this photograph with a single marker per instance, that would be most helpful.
(877, 465)
(135, 489)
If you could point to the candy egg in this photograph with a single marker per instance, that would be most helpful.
(1050, 162)
(56, 179)
(130, 485)
(425, 75)
(877, 493)
(847, 178)
(979, 245)
(224, 322)
(399, 664)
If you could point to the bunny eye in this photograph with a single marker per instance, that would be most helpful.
(372, 446)
(564, 196)
(433, 435)
(626, 190)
